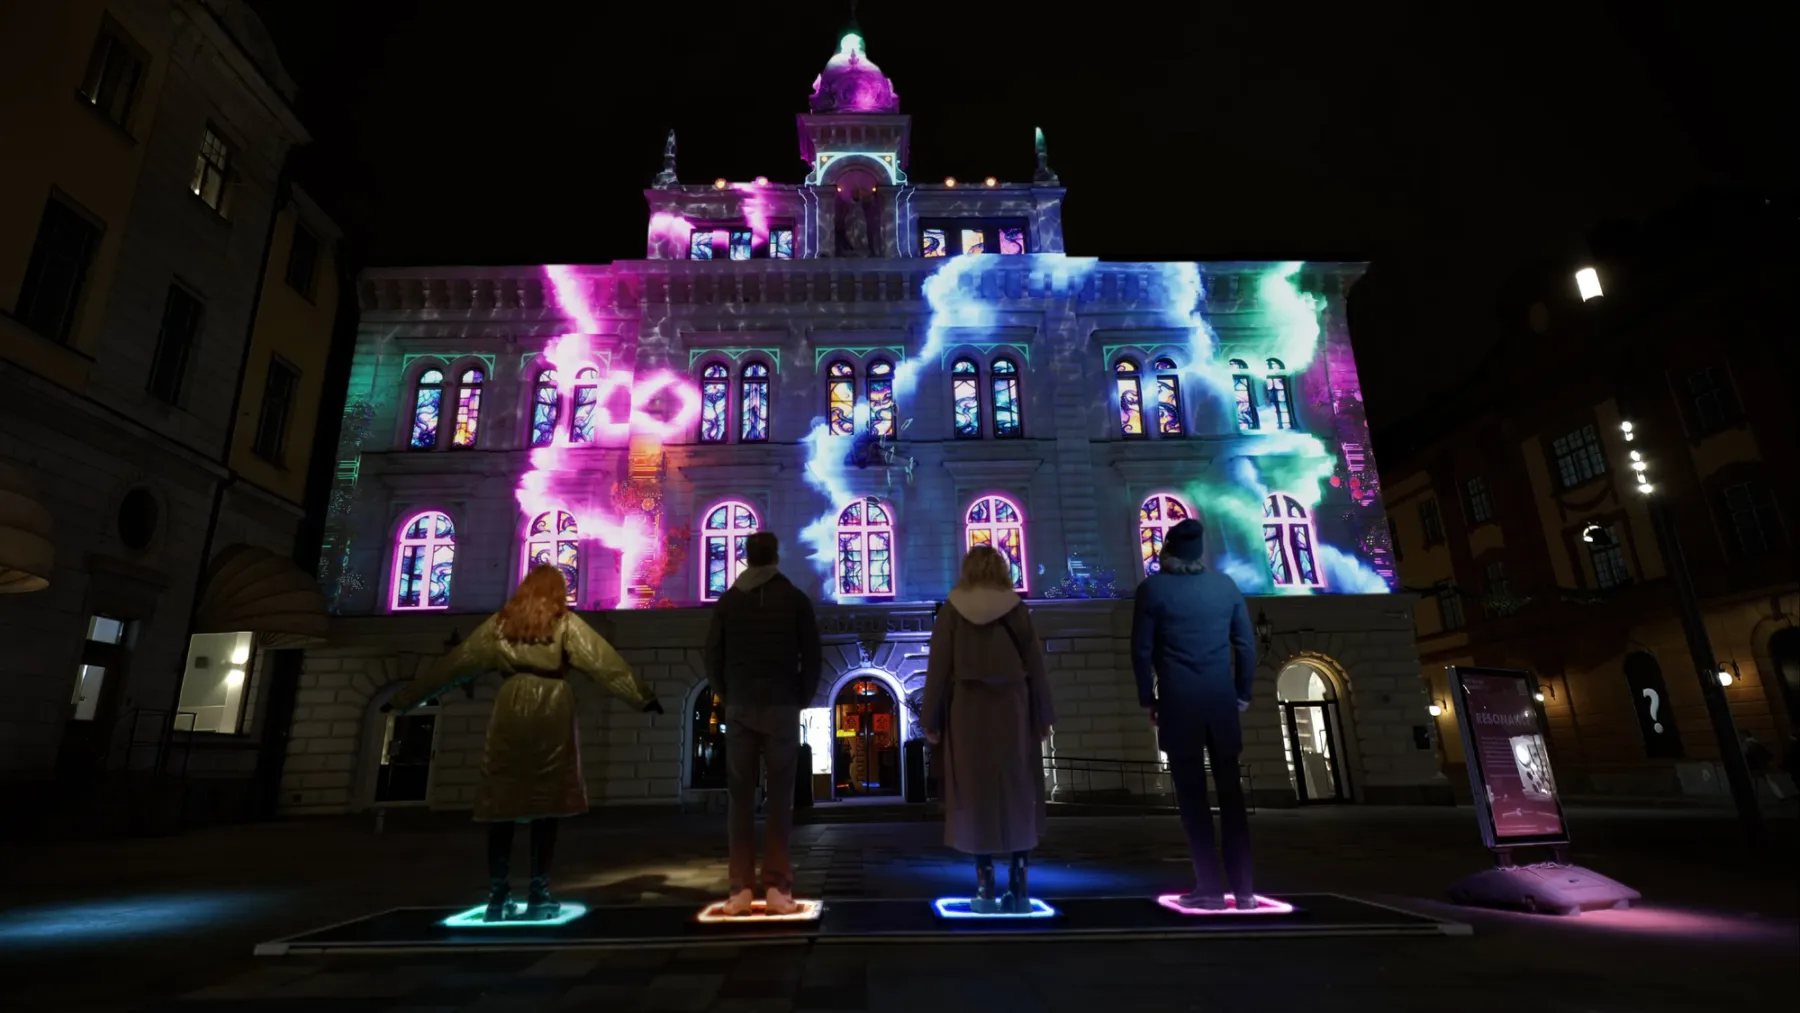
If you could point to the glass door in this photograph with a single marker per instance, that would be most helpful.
(1312, 734)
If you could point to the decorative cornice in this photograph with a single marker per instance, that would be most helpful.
(984, 473)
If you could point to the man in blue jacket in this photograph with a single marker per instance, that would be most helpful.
(1194, 661)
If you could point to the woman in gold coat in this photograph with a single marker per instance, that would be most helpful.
(531, 765)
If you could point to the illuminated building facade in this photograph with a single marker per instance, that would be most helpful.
(883, 372)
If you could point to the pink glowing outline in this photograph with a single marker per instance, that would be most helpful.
(1312, 540)
(864, 529)
(728, 532)
(714, 913)
(400, 544)
(995, 527)
(1264, 906)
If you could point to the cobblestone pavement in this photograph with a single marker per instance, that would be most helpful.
(168, 924)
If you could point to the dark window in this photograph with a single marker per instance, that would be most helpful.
(58, 267)
(1752, 516)
(1495, 575)
(947, 237)
(1608, 555)
(1394, 537)
(1432, 522)
(1711, 406)
(303, 261)
(138, 516)
(1578, 457)
(1481, 505)
(174, 344)
(114, 70)
(212, 170)
(277, 405)
(1450, 605)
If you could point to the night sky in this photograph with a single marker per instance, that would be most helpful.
(1445, 146)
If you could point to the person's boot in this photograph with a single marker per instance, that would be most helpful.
(499, 905)
(1199, 901)
(538, 905)
(984, 902)
(1018, 895)
(1244, 900)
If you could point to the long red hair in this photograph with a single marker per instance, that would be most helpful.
(531, 614)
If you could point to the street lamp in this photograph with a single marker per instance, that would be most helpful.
(1587, 282)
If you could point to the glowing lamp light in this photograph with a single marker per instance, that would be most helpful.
(762, 181)
(991, 181)
(963, 907)
(1435, 710)
(234, 677)
(1538, 696)
(1262, 906)
(472, 918)
(1646, 488)
(1588, 533)
(1587, 280)
(714, 913)
(1726, 678)
(719, 184)
(240, 655)
(950, 181)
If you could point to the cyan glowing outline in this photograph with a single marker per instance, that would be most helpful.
(857, 351)
(947, 907)
(734, 354)
(888, 160)
(473, 918)
(447, 358)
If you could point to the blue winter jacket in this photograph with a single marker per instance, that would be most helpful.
(1193, 657)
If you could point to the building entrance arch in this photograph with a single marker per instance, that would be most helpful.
(867, 733)
(1312, 731)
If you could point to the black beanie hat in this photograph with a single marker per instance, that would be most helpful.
(1186, 541)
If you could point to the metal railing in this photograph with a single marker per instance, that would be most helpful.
(1094, 781)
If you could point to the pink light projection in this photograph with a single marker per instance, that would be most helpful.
(756, 210)
(1264, 906)
(673, 232)
(851, 83)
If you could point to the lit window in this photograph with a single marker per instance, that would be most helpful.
(881, 397)
(1168, 397)
(997, 522)
(1288, 541)
(212, 169)
(552, 540)
(1005, 379)
(428, 398)
(735, 242)
(781, 244)
(105, 650)
(739, 244)
(1156, 516)
(974, 241)
(586, 403)
(424, 556)
(1243, 393)
(700, 245)
(1012, 239)
(947, 237)
(213, 684)
(1131, 398)
(727, 527)
(865, 550)
(840, 399)
(1279, 396)
(1578, 457)
(965, 398)
(468, 408)
(545, 403)
(931, 243)
(753, 404)
(715, 407)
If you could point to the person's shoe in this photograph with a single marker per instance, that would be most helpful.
(779, 902)
(738, 904)
(984, 902)
(1018, 894)
(499, 905)
(1198, 901)
(1245, 901)
(538, 905)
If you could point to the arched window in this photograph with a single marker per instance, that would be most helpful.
(586, 403)
(1005, 378)
(1288, 539)
(1168, 397)
(881, 397)
(545, 403)
(1131, 398)
(1278, 395)
(428, 399)
(552, 540)
(1242, 392)
(753, 404)
(997, 521)
(1156, 516)
(468, 408)
(715, 402)
(840, 399)
(424, 555)
(965, 398)
(722, 558)
(865, 550)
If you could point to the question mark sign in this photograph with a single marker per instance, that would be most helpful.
(1655, 702)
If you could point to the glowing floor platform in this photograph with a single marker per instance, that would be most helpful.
(643, 926)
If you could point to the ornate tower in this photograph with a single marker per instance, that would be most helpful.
(855, 139)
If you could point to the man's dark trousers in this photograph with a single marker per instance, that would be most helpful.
(1189, 773)
(769, 736)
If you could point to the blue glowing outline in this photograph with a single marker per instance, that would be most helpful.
(946, 908)
(472, 918)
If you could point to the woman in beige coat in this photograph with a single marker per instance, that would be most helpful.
(531, 765)
(987, 707)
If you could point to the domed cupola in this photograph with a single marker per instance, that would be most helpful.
(851, 83)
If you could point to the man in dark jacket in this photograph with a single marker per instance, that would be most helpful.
(1194, 660)
(762, 658)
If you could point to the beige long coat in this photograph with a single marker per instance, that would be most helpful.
(531, 765)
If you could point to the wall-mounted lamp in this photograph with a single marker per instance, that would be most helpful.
(1265, 632)
(1587, 282)
(1728, 674)
(1435, 709)
(1538, 695)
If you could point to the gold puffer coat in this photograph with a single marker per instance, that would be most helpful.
(531, 765)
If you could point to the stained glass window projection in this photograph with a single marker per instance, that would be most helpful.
(427, 400)
(722, 557)
(781, 244)
(552, 540)
(423, 559)
(974, 241)
(998, 522)
(740, 244)
(840, 398)
(545, 402)
(700, 244)
(965, 398)
(1288, 539)
(881, 397)
(1279, 403)
(1005, 378)
(931, 243)
(715, 406)
(1243, 392)
(1168, 397)
(753, 403)
(1156, 516)
(586, 403)
(865, 550)
(1131, 398)
(1012, 239)
(468, 408)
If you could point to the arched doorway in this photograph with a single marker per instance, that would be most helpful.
(404, 761)
(865, 753)
(706, 740)
(1312, 733)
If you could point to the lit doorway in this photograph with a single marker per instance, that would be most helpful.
(865, 751)
(706, 736)
(408, 746)
(1312, 734)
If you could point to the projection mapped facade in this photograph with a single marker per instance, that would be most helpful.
(883, 371)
